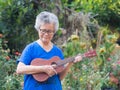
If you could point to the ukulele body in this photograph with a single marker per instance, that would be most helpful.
(57, 63)
(40, 77)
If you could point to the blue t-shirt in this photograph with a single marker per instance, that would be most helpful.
(32, 51)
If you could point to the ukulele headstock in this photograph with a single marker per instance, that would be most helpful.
(89, 54)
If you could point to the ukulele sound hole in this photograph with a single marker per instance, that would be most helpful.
(54, 64)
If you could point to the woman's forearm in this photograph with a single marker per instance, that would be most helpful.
(28, 69)
(63, 73)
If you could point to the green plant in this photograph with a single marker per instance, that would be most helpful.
(106, 12)
(9, 80)
(17, 18)
(93, 73)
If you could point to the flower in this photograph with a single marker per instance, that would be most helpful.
(1, 35)
(83, 45)
(73, 38)
(102, 50)
(7, 58)
(109, 59)
(111, 38)
(17, 53)
(81, 79)
(113, 79)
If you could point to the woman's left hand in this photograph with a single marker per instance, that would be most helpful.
(78, 59)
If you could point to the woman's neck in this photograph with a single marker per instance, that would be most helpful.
(45, 45)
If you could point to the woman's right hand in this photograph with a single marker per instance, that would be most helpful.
(49, 70)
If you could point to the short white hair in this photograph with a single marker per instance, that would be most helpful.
(45, 18)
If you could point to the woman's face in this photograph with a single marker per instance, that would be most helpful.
(46, 32)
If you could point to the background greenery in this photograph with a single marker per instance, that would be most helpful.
(17, 17)
(78, 18)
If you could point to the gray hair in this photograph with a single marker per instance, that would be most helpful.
(44, 18)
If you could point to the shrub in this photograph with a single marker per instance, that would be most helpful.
(9, 80)
(93, 73)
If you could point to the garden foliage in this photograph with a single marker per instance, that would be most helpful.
(93, 73)
(17, 17)
(80, 22)
(9, 80)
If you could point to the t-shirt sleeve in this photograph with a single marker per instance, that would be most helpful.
(60, 54)
(26, 55)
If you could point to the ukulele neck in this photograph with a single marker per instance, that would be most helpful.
(71, 59)
(67, 60)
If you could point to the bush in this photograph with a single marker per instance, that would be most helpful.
(9, 80)
(17, 19)
(93, 73)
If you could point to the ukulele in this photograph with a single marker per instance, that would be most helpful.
(56, 63)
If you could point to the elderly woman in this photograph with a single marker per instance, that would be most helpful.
(46, 24)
